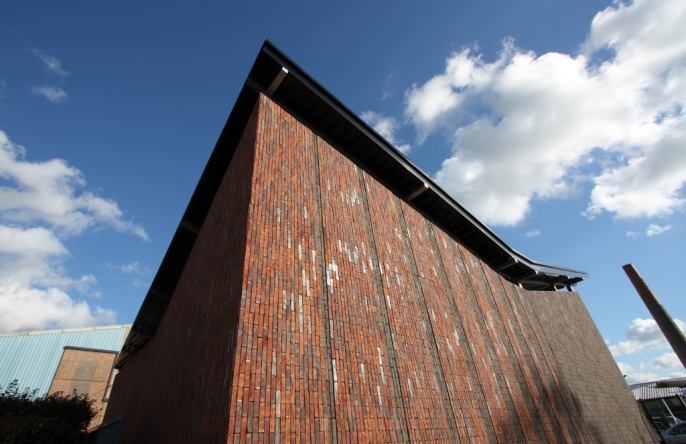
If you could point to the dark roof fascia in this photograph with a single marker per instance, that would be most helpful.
(284, 82)
(96, 350)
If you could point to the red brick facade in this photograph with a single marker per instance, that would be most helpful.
(316, 306)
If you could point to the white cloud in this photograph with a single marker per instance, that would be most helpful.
(134, 268)
(51, 63)
(625, 368)
(644, 333)
(654, 229)
(527, 127)
(46, 192)
(386, 127)
(636, 377)
(33, 284)
(632, 234)
(140, 284)
(39, 208)
(533, 233)
(677, 375)
(54, 94)
(614, 349)
(666, 362)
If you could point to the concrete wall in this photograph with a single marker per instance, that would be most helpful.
(358, 321)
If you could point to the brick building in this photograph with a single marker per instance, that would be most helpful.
(70, 360)
(321, 288)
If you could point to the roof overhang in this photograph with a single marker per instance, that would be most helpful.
(284, 82)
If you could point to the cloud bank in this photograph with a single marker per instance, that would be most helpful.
(527, 127)
(40, 206)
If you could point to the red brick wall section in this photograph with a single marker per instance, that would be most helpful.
(283, 374)
(598, 390)
(351, 318)
(177, 388)
(84, 372)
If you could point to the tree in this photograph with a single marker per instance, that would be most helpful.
(53, 419)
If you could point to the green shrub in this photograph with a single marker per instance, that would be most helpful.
(53, 419)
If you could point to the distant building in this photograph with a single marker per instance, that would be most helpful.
(71, 360)
(658, 401)
(321, 288)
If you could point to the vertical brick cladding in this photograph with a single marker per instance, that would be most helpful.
(359, 321)
(177, 388)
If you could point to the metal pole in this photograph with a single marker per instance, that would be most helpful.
(674, 335)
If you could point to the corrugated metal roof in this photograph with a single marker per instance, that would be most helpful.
(647, 390)
(32, 357)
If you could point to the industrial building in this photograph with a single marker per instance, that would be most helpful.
(71, 360)
(321, 288)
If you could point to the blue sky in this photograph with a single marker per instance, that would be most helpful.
(559, 123)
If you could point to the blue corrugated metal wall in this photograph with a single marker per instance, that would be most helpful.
(32, 357)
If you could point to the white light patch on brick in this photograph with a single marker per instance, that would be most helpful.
(278, 403)
(364, 250)
(388, 298)
(300, 311)
(383, 376)
(292, 301)
(300, 252)
(409, 387)
(305, 212)
(340, 246)
(378, 393)
(278, 215)
(364, 377)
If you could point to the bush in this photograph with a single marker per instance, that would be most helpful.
(53, 419)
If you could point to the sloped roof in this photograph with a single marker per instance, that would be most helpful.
(284, 82)
(650, 390)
